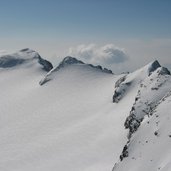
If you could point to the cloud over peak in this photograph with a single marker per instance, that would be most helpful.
(107, 55)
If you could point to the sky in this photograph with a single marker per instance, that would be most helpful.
(120, 34)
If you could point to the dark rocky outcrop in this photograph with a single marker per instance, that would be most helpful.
(107, 71)
(117, 96)
(153, 67)
(8, 61)
(47, 66)
(132, 123)
(25, 50)
(121, 80)
(124, 152)
(120, 89)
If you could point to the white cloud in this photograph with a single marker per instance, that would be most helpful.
(141, 52)
(106, 55)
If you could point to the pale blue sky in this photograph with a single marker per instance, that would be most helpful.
(52, 26)
(69, 18)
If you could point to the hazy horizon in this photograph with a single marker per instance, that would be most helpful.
(118, 35)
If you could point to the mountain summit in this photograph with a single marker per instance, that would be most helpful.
(73, 62)
(24, 56)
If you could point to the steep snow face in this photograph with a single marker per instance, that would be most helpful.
(67, 62)
(24, 56)
(133, 80)
(150, 91)
(149, 147)
(152, 83)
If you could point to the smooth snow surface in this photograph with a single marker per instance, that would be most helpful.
(69, 123)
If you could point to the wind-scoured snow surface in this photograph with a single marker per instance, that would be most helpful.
(66, 120)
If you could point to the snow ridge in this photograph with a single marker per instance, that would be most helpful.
(72, 61)
(151, 88)
(68, 61)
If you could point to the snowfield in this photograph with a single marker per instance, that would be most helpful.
(74, 117)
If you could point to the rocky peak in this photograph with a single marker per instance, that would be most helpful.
(68, 61)
(153, 66)
(163, 71)
(71, 60)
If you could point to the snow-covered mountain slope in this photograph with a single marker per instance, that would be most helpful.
(68, 121)
(149, 147)
(68, 124)
(151, 83)
(17, 78)
(151, 89)
(133, 80)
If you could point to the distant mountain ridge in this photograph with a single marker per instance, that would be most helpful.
(24, 56)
